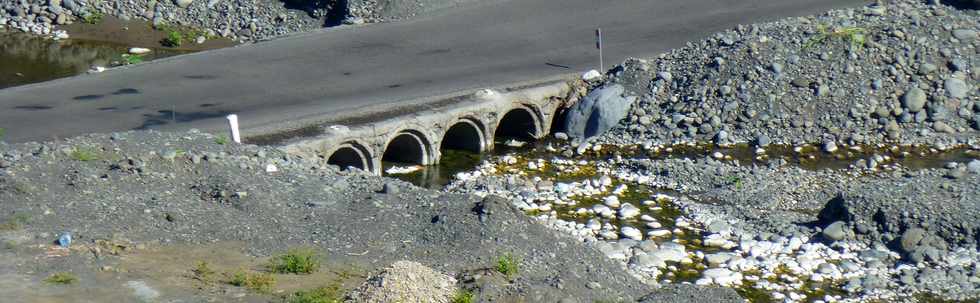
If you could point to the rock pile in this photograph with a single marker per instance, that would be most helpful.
(902, 71)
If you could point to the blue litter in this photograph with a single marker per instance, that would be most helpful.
(65, 239)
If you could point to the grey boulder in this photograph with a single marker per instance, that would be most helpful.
(598, 112)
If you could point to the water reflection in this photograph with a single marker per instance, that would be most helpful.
(28, 59)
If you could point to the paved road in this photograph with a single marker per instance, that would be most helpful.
(344, 69)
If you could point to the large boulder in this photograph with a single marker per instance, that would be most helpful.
(598, 112)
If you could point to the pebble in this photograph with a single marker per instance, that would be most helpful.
(914, 99)
(835, 231)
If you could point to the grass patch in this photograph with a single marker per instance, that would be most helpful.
(177, 35)
(173, 39)
(854, 36)
(130, 59)
(92, 17)
(84, 154)
(63, 278)
(736, 181)
(508, 265)
(15, 222)
(464, 296)
(258, 282)
(221, 140)
(326, 294)
(203, 272)
(297, 261)
(3, 131)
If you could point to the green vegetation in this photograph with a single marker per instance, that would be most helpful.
(129, 59)
(221, 140)
(84, 154)
(508, 265)
(258, 282)
(855, 36)
(92, 17)
(736, 181)
(297, 261)
(327, 294)
(464, 296)
(15, 222)
(3, 131)
(63, 278)
(174, 39)
(203, 273)
(177, 35)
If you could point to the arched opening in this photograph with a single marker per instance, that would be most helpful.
(350, 155)
(407, 147)
(464, 135)
(558, 120)
(518, 123)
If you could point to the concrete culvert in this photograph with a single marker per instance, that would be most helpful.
(407, 148)
(464, 135)
(518, 123)
(349, 156)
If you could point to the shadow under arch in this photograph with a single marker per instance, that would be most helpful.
(351, 154)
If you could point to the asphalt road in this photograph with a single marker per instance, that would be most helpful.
(341, 70)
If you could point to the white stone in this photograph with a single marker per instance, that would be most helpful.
(608, 235)
(632, 233)
(139, 50)
(723, 276)
(611, 201)
(397, 170)
(715, 240)
(647, 218)
(717, 259)
(669, 252)
(591, 75)
(605, 181)
(271, 168)
(658, 233)
(628, 211)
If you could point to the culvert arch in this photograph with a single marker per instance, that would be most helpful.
(465, 133)
(521, 122)
(352, 154)
(408, 146)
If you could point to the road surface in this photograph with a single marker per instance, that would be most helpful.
(319, 75)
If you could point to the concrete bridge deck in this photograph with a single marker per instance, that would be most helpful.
(324, 76)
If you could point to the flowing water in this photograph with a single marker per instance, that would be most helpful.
(808, 157)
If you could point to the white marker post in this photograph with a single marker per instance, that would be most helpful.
(233, 122)
(598, 45)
